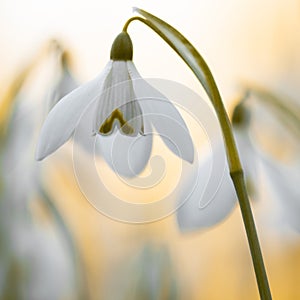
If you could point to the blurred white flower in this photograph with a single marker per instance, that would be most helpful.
(211, 201)
(152, 276)
(275, 132)
(214, 197)
(117, 101)
(283, 178)
(35, 249)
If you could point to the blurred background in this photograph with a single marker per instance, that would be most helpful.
(55, 245)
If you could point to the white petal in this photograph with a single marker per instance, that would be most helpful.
(118, 95)
(132, 113)
(84, 132)
(63, 118)
(284, 181)
(163, 115)
(211, 200)
(127, 118)
(65, 85)
(126, 155)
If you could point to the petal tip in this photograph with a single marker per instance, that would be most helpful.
(189, 154)
(190, 159)
(41, 151)
(39, 155)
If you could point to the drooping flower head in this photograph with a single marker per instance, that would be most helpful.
(118, 102)
(204, 212)
(265, 175)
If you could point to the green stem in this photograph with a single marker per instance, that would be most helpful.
(257, 258)
(204, 75)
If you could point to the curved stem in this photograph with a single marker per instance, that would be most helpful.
(204, 75)
(213, 93)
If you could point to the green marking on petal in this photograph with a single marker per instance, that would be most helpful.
(107, 126)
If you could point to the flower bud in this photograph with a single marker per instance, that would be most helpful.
(122, 47)
(241, 116)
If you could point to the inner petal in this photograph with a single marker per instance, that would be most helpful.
(109, 124)
(117, 105)
(127, 118)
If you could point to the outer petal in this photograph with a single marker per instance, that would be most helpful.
(63, 118)
(84, 135)
(199, 211)
(284, 181)
(163, 115)
(66, 84)
(126, 155)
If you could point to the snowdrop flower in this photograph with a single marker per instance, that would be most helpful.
(211, 201)
(39, 249)
(280, 179)
(117, 103)
(275, 141)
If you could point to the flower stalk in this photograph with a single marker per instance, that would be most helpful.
(197, 64)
